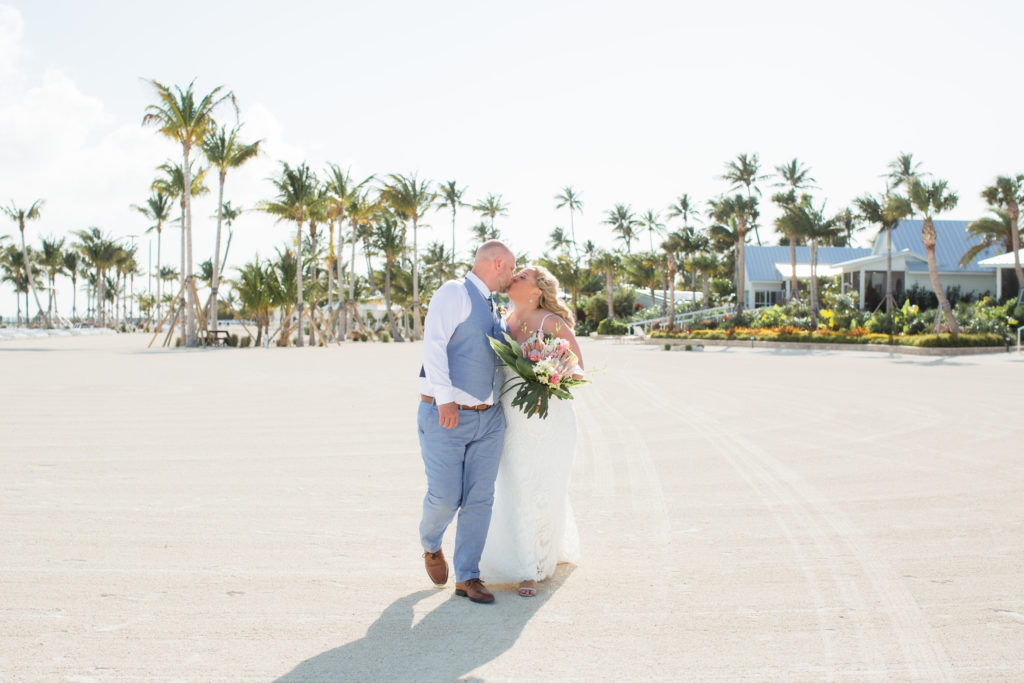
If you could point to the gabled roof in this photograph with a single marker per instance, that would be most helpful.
(951, 243)
(760, 262)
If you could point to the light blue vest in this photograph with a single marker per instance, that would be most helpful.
(472, 364)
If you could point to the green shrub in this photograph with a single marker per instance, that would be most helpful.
(610, 326)
(384, 336)
(623, 300)
(773, 316)
(233, 340)
(245, 342)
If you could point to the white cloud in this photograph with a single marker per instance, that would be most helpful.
(11, 28)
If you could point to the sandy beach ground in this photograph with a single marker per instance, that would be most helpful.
(745, 514)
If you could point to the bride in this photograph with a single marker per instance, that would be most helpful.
(532, 526)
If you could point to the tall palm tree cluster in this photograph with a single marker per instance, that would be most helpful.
(312, 291)
(107, 266)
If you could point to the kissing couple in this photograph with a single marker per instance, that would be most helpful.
(507, 476)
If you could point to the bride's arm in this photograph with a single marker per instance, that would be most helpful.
(557, 327)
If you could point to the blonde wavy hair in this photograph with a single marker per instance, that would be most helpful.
(549, 295)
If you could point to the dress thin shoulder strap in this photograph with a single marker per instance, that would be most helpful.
(540, 328)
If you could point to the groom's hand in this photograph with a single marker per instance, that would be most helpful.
(448, 415)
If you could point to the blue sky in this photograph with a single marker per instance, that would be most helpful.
(633, 103)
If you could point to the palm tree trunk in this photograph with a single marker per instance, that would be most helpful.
(387, 301)
(74, 298)
(28, 273)
(928, 237)
(793, 282)
(672, 293)
(101, 296)
(216, 254)
(181, 273)
(888, 273)
(159, 279)
(342, 307)
(190, 314)
(1015, 239)
(814, 284)
(609, 280)
(417, 323)
(741, 230)
(298, 275)
(706, 288)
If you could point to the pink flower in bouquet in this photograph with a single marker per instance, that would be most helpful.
(534, 356)
(555, 379)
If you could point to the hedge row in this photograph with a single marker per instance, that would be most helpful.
(858, 336)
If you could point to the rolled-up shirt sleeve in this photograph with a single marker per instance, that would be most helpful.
(449, 307)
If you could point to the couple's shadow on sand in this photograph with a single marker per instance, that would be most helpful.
(446, 644)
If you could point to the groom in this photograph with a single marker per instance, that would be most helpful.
(460, 422)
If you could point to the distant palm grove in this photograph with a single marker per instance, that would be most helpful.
(355, 266)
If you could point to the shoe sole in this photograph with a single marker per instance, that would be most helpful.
(482, 601)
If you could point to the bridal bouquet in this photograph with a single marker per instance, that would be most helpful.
(544, 367)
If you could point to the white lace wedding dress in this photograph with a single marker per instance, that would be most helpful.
(532, 524)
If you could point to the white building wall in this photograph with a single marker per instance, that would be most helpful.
(977, 283)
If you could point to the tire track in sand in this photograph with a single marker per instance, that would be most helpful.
(784, 491)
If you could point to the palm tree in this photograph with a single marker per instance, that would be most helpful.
(809, 222)
(558, 240)
(230, 214)
(1006, 193)
(157, 209)
(411, 198)
(641, 270)
(990, 231)
(296, 194)
(14, 272)
(52, 261)
(744, 211)
(624, 224)
(886, 212)
(224, 151)
(796, 177)
(101, 252)
(483, 232)
(672, 246)
(608, 262)
(172, 183)
(255, 288)
(389, 239)
(569, 199)
(705, 263)
(451, 198)
(72, 265)
(491, 206)
(21, 216)
(744, 171)
(932, 199)
(179, 116)
(651, 221)
(904, 171)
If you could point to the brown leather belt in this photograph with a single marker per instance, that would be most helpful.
(430, 399)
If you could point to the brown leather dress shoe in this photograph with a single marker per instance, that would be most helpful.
(437, 567)
(474, 590)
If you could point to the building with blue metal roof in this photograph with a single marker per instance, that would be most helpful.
(866, 274)
(768, 271)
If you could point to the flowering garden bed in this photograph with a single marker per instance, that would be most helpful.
(855, 336)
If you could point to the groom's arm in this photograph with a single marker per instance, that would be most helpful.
(449, 307)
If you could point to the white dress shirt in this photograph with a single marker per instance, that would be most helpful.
(449, 307)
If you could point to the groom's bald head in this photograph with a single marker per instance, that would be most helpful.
(494, 264)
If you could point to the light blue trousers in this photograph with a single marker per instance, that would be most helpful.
(461, 466)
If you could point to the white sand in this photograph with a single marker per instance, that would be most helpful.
(251, 514)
